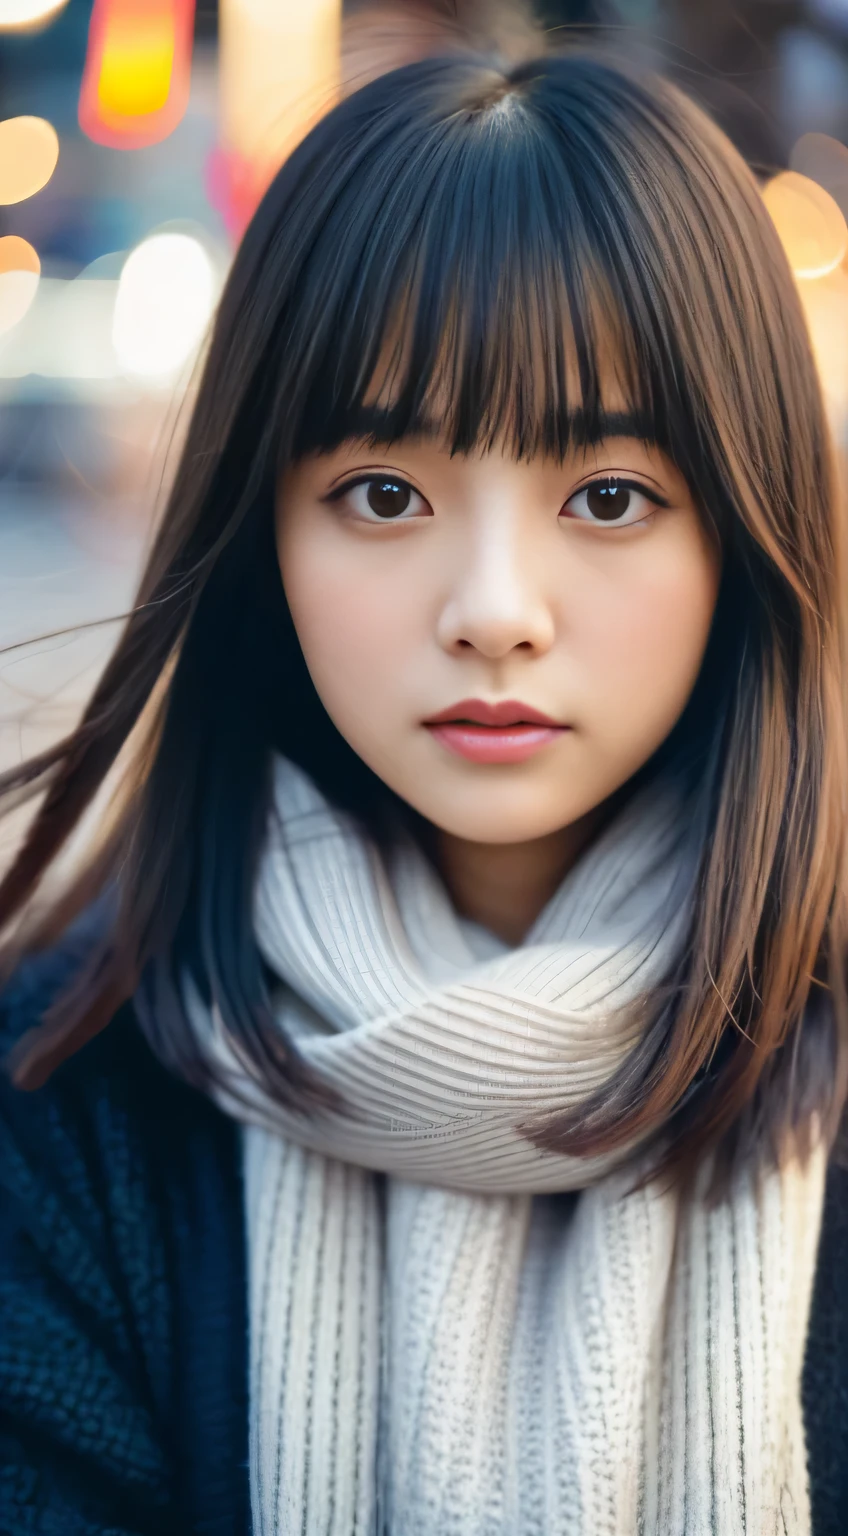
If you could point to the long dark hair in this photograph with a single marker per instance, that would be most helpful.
(486, 242)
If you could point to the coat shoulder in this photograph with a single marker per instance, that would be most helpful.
(825, 1379)
(123, 1365)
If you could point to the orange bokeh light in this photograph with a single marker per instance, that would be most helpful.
(19, 274)
(17, 255)
(811, 225)
(29, 150)
(279, 72)
(137, 72)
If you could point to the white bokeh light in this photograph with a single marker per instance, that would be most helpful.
(17, 291)
(28, 13)
(165, 298)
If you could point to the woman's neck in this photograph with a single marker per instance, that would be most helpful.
(504, 886)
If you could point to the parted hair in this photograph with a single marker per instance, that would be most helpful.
(506, 236)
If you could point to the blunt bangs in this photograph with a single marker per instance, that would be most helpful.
(491, 283)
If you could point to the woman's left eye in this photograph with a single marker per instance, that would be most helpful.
(612, 502)
(381, 499)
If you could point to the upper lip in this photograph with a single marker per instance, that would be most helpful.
(478, 712)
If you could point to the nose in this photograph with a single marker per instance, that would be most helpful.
(497, 601)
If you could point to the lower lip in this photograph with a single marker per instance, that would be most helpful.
(496, 744)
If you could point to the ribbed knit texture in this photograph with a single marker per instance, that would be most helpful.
(492, 1340)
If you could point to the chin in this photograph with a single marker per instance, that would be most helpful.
(478, 821)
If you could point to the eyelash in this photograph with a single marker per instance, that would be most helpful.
(607, 482)
(394, 480)
(614, 482)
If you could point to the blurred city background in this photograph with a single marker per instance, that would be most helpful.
(136, 136)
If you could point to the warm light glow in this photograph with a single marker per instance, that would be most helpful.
(137, 72)
(824, 160)
(164, 302)
(29, 149)
(825, 304)
(28, 13)
(19, 273)
(279, 72)
(811, 225)
(17, 255)
(135, 75)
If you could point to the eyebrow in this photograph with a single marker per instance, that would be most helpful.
(381, 424)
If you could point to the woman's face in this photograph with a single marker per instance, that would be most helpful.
(504, 643)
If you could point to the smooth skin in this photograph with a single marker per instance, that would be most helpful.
(494, 579)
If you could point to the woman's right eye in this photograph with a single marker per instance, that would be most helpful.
(381, 499)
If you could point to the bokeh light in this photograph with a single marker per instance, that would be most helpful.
(825, 304)
(66, 333)
(279, 70)
(824, 160)
(29, 150)
(19, 273)
(811, 225)
(163, 305)
(28, 13)
(137, 72)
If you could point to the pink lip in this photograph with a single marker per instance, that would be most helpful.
(507, 712)
(508, 732)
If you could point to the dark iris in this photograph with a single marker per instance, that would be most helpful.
(607, 500)
(387, 498)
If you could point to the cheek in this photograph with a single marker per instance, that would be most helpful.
(355, 624)
(645, 629)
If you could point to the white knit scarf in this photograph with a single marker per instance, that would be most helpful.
(463, 1347)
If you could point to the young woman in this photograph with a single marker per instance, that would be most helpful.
(470, 920)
